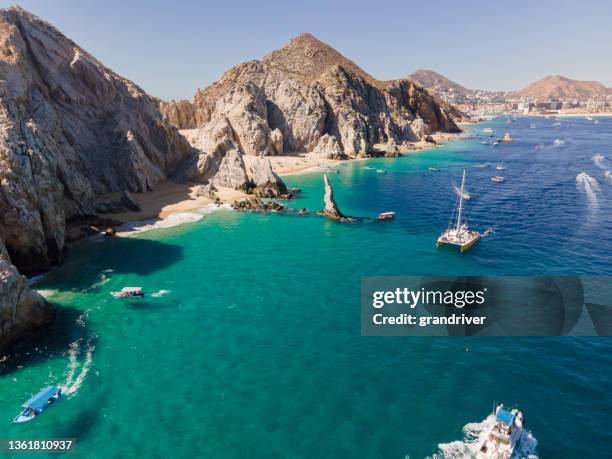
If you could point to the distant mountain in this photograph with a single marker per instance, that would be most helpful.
(560, 87)
(437, 83)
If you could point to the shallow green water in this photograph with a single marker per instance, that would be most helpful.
(250, 345)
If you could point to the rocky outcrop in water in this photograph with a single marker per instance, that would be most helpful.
(22, 311)
(331, 210)
(308, 97)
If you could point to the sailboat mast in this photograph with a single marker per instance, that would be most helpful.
(460, 202)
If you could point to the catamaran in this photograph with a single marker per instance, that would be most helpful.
(502, 438)
(459, 234)
(39, 403)
(128, 292)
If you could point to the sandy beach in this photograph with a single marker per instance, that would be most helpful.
(179, 203)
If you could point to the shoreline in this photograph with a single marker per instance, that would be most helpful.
(173, 204)
(565, 115)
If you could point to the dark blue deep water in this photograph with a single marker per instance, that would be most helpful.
(251, 347)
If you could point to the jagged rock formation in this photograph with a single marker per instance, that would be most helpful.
(22, 310)
(70, 129)
(331, 210)
(307, 97)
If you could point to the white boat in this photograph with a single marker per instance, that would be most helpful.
(589, 118)
(498, 179)
(433, 169)
(503, 437)
(488, 130)
(369, 168)
(38, 403)
(596, 122)
(129, 292)
(459, 234)
(507, 138)
(466, 195)
(381, 171)
(532, 126)
(501, 168)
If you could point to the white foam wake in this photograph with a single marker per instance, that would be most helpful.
(588, 185)
(474, 433)
(80, 358)
(608, 175)
(558, 142)
(598, 160)
(160, 293)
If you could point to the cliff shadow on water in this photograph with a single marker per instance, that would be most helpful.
(50, 342)
(121, 255)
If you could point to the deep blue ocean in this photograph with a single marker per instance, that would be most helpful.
(249, 343)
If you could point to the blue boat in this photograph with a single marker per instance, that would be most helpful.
(39, 403)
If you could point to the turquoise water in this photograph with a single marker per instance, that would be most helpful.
(250, 345)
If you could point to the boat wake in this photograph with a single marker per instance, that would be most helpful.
(588, 185)
(608, 175)
(80, 358)
(488, 232)
(466, 194)
(599, 160)
(160, 293)
(474, 433)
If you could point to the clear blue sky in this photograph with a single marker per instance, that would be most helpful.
(172, 48)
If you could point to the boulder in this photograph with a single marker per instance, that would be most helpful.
(265, 182)
(206, 191)
(329, 147)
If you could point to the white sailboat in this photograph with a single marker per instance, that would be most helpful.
(459, 234)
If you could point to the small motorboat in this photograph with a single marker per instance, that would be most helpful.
(507, 138)
(39, 403)
(370, 168)
(501, 168)
(129, 292)
(488, 130)
(386, 216)
(498, 179)
(381, 171)
(486, 142)
(433, 169)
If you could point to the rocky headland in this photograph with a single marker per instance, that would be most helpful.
(81, 146)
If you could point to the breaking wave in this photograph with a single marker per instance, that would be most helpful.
(474, 433)
(80, 359)
(608, 175)
(599, 160)
(46, 292)
(588, 185)
(160, 293)
(176, 219)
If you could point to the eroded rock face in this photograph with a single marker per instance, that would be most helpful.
(22, 310)
(310, 91)
(331, 210)
(70, 129)
(266, 183)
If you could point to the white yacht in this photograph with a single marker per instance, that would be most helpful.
(459, 234)
(502, 438)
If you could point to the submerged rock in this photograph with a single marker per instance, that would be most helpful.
(331, 210)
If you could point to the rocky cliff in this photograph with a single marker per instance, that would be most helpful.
(70, 129)
(22, 310)
(308, 97)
